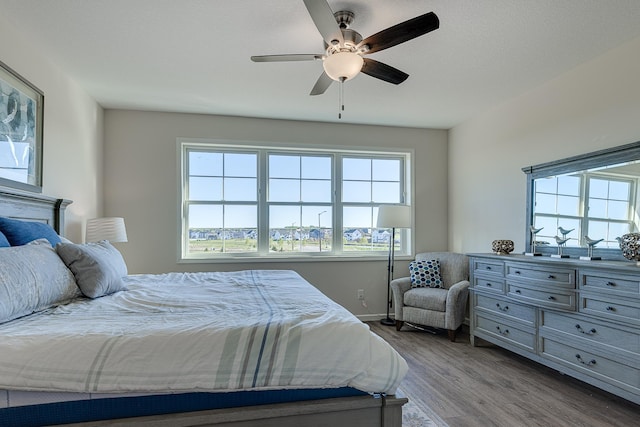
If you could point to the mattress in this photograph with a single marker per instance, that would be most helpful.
(198, 332)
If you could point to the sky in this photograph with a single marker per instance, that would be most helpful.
(234, 177)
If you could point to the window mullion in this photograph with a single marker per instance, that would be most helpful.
(337, 203)
(263, 206)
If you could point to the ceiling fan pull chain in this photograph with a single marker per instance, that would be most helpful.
(341, 98)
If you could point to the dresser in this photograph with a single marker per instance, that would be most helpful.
(581, 318)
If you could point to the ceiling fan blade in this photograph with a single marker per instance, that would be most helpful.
(326, 23)
(382, 71)
(323, 83)
(281, 58)
(401, 32)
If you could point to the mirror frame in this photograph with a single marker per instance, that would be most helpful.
(595, 159)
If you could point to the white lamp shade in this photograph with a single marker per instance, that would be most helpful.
(343, 64)
(394, 216)
(111, 229)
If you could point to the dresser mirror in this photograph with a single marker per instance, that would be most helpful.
(594, 196)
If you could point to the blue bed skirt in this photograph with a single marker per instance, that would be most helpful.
(126, 407)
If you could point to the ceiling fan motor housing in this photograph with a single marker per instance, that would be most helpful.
(344, 18)
(352, 38)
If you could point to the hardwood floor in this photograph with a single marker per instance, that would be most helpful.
(486, 386)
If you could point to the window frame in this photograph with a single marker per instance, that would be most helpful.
(262, 253)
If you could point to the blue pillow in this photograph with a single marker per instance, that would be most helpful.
(20, 233)
(4, 243)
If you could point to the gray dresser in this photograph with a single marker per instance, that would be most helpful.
(579, 317)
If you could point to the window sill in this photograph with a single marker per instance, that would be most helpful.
(291, 259)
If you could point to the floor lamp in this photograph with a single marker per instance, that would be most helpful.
(392, 216)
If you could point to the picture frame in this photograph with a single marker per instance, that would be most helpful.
(21, 131)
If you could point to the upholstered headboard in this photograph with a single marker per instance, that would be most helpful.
(33, 207)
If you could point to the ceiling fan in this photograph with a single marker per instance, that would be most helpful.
(345, 48)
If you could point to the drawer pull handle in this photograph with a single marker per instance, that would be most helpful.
(610, 284)
(488, 284)
(551, 298)
(505, 308)
(551, 276)
(501, 332)
(589, 332)
(609, 308)
(517, 272)
(488, 267)
(589, 363)
(518, 291)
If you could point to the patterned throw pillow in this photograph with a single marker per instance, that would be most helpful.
(425, 274)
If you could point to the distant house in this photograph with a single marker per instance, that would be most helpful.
(197, 235)
(353, 235)
(276, 235)
(202, 235)
(380, 236)
(301, 235)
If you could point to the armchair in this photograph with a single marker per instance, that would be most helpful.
(435, 307)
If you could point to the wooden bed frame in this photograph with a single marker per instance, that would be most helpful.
(358, 411)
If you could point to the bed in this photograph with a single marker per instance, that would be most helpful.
(245, 348)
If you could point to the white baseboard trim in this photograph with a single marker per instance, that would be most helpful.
(371, 317)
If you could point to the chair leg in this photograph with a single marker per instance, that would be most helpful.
(452, 334)
(399, 324)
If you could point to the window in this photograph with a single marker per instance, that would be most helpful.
(240, 201)
(607, 211)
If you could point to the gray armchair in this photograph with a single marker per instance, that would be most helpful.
(435, 307)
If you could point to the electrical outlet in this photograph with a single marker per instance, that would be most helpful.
(361, 294)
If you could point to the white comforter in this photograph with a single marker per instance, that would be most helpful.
(256, 329)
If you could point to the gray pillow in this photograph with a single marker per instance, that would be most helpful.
(98, 267)
(33, 278)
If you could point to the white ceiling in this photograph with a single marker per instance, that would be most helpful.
(193, 55)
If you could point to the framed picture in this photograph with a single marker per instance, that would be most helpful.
(21, 119)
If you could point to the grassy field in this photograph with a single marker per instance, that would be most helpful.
(251, 245)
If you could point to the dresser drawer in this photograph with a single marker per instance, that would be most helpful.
(592, 331)
(592, 364)
(552, 276)
(614, 309)
(594, 281)
(507, 331)
(519, 312)
(543, 297)
(492, 267)
(489, 284)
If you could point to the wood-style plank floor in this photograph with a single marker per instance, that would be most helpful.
(486, 386)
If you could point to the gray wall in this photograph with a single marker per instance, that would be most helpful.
(594, 106)
(72, 129)
(141, 185)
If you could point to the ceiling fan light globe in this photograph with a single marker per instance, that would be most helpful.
(343, 65)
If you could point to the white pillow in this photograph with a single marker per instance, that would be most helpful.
(98, 267)
(33, 278)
